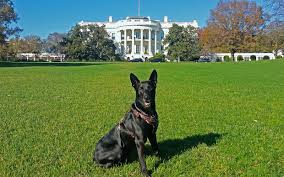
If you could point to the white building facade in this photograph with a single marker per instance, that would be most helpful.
(247, 56)
(138, 37)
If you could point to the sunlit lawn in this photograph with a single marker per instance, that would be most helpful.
(216, 119)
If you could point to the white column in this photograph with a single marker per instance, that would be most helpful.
(155, 42)
(150, 42)
(141, 45)
(132, 51)
(125, 42)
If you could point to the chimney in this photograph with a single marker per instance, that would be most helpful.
(110, 19)
(166, 19)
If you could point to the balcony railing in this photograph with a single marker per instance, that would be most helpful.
(137, 38)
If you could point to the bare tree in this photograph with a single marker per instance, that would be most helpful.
(275, 28)
(276, 10)
(236, 23)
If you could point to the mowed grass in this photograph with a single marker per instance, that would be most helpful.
(216, 119)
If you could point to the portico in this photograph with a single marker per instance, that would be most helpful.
(139, 37)
(142, 42)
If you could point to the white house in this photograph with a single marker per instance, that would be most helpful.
(138, 37)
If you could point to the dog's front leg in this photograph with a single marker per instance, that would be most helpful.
(153, 141)
(140, 150)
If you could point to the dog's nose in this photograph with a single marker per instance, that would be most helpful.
(147, 100)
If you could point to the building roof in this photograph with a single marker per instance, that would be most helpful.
(138, 17)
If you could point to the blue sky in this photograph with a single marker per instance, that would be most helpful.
(42, 17)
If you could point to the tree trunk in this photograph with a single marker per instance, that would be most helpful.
(233, 51)
(233, 56)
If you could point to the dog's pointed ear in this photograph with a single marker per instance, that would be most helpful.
(154, 77)
(134, 80)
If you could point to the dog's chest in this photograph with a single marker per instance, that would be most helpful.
(148, 129)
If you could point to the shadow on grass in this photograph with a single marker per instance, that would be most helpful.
(60, 64)
(172, 147)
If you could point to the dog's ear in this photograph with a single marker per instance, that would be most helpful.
(154, 77)
(134, 80)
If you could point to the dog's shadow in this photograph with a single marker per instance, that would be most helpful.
(172, 147)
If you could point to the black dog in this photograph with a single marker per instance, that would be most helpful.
(140, 123)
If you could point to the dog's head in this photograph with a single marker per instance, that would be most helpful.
(145, 90)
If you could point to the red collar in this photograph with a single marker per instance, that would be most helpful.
(138, 113)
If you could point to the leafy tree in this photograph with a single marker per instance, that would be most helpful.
(34, 44)
(53, 43)
(28, 44)
(233, 26)
(211, 40)
(89, 43)
(13, 46)
(8, 18)
(182, 43)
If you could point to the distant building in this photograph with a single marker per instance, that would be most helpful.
(40, 57)
(138, 37)
(246, 56)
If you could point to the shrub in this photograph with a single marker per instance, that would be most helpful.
(218, 59)
(194, 58)
(266, 57)
(252, 57)
(240, 58)
(279, 57)
(158, 56)
(227, 58)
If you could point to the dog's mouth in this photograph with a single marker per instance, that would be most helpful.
(147, 104)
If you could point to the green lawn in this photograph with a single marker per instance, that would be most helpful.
(216, 119)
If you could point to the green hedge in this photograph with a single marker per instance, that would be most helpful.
(240, 58)
(266, 57)
(158, 55)
(227, 58)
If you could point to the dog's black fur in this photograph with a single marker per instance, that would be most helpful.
(133, 130)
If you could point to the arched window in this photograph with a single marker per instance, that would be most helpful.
(252, 57)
